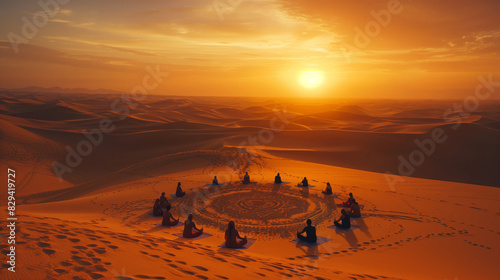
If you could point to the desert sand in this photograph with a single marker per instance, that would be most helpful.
(97, 223)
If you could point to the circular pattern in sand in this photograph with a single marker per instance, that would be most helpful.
(266, 210)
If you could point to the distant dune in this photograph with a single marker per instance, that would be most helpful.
(96, 223)
(346, 135)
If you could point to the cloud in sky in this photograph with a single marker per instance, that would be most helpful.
(260, 46)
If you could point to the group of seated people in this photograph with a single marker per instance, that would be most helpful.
(160, 204)
(354, 211)
(232, 237)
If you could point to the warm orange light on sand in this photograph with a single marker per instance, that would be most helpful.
(311, 79)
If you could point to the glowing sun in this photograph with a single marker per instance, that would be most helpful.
(311, 79)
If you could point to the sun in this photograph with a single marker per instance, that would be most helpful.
(311, 79)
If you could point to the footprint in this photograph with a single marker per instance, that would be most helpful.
(48, 251)
(63, 263)
(43, 244)
(200, 268)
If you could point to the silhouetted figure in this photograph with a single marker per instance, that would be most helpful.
(190, 230)
(310, 233)
(277, 179)
(215, 181)
(233, 238)
(157, 209)
(304, 183)
(348, 203)
(354, 212)
(163, 201)
(168, 219)
(346, 220)
(246, 178)
(179, 192)
(328, 189)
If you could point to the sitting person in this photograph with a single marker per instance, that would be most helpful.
(179, 192)
(354, 211)
(215, 181)
(233, 238)
(277, 179)
(163, 201)
(190, 230)
(310, 233)
(157, 209)
(168, 219)
(328, 189)
(348, 203)
(246, 178)
(346, 220)
(304, 183)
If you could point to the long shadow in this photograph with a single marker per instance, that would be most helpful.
(311, 252)
(304, 192)
(363, 227)
(350, 237)
(331, 201)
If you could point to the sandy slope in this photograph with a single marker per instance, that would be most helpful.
(404, 233)
(97, 224)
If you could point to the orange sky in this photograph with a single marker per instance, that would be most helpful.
(427, 49)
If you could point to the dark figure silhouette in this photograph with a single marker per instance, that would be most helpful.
(179, 192)
(310, 233)
(348, 203)
(157, 209)
(304, 183)
(328, 189)
(354, 211)
(233, 238)
(346, 220)
(215, 181)
(163, 201)
(277, 179)
(168, 219)
(246, 178)
(190, 230)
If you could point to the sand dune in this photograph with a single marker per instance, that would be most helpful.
(97, 222)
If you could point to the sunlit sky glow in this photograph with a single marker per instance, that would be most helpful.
(431, 49)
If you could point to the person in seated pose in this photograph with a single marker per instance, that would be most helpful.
(277, 179)
(328, 189)
(179, 192)
(190, 230)
(168, 219)
(233, 238)
(163, 201)
(346, 220)
(157, 209)
(348, 203)
(246, 178)
(215, 181)
(354, 212)
(310, 233)
(304, 183)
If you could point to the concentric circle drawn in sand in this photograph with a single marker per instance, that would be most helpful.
(265, 210)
